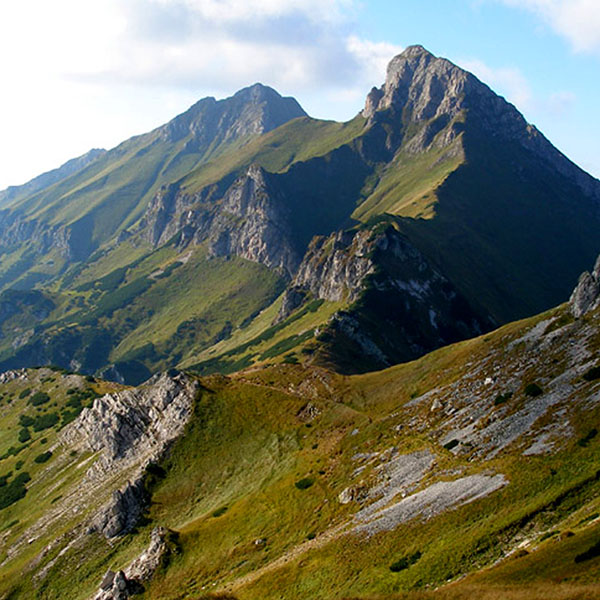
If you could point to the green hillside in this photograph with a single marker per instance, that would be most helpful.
(254, 490)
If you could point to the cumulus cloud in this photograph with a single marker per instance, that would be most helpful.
(82, 74)
(576, 20)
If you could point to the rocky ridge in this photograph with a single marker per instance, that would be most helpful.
(51, 177)
(435, 92)
(128, 431)
(378, 271)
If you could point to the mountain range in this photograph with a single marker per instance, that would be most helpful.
(253, 354)
(244, 231)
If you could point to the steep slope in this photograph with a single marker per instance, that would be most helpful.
(82, 211)
(501, 221)
(295, 482)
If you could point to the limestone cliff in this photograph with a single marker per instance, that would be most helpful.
(437, 94)
(400, 306)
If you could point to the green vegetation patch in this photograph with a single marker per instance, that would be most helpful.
(39, 398)
(592, 374)
(587, 438)
(405, 562)
(304, 483)
(45, 421)
(42, 458)
(14, 491)
(533, 390)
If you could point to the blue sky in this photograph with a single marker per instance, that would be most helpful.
(78, 75)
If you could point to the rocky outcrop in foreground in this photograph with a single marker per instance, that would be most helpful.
(129, 430)
(120, 585)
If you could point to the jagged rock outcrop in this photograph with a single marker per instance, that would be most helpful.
(130, 430)
(247, 218)
(586, 295)
(434, 92)
(400, 306)
(121, 585)
(121, 514)
(16, 229)
(126, 425)
(253, 223)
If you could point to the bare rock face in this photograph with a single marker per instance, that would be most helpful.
(251, 111)
(121, 514)
(400, 305)
(121, 585)
(253, 224)
(586, 296)
(434, 92)
(129, 430)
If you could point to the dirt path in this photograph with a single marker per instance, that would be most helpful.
(321, 540)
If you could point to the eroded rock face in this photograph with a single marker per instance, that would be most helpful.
(586, 296)
(121, 585)
(121, 514)
(253, 224)
(130, 430)
(417, 309)
(139, 422)
(433, 91)
(247, 218)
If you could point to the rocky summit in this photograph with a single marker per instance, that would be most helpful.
(253, 354)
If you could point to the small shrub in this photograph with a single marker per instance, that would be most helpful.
(405, 562)
(592, 374)
(25, 393)
(39, 398)
(311, 536)
(19, 465)
(590, 553)
(451, 444)
(24, 435)
(46, 421)
(533, 390)
(502, 398)
(25, 421)
(304, 483)
(587, 438)
(43, 457)
(14, 491)
(220, 511)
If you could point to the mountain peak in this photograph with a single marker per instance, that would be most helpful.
(432, 91)
(253, 110)
(414, 51)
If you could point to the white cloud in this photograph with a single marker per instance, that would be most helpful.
(81, 74)
(508, 81)
(374, 56)
(576, 20)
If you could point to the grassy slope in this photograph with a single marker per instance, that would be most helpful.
(243, 525)
(555, 492)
